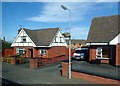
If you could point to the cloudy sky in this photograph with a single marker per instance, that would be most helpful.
(37, 15)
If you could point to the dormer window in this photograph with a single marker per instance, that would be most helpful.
(23, 39)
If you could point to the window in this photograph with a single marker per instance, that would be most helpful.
(103, 53)
(99, 52)
(23, 39)
(106, 53)
(61, 39)
(42, 51)
(21, 50)
(55, 39)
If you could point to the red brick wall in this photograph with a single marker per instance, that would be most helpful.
(8, 52)
(118, 55)
(64, 69)
(51, 52)
(56, 51)
(33, 63)
(105, 61)
(35, 51)
(92, 53)
(92, 78)
(67, 52)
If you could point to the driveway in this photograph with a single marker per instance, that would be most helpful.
(48, 74)
(103, 70)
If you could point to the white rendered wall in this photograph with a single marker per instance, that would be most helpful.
(17, 41)
(116, 40)
(56, 40)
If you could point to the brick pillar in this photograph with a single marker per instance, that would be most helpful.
(92, 53)
(13, 60)
(33, 63)
(117, 55)
(65, 68)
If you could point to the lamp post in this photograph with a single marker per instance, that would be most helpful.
(69, 69)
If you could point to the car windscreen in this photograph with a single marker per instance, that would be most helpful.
(80, 51)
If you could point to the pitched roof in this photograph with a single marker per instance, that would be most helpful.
(77, 41)
(103, 29)
(42, 37)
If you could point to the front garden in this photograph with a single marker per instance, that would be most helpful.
(16, 59)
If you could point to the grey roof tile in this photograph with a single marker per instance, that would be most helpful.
(77, 41)
(103, 29)
(42, 37)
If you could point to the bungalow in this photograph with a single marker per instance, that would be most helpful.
(46, 43)
(104, 40)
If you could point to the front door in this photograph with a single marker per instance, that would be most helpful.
(31, 53)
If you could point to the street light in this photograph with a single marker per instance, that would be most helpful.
(69, 72)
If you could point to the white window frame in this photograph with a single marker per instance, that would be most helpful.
(18, 49)
(22, 39)
(101, 55)
(43, 51)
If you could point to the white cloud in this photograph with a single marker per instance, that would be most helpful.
(60, 0)
(52, 12)
(107, 0)
(48, 0)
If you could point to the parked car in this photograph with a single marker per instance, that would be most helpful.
(80, 54)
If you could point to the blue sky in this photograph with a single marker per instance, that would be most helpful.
(37, 15)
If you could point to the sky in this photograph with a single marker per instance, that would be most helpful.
(39, 15)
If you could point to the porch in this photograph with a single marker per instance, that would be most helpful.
(103, 54)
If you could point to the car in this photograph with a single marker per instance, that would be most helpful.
(80, 54)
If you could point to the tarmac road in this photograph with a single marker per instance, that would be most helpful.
(49, 74)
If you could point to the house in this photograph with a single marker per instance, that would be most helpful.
(4, 46)
(46, 43)
(77, 43)
(104, 40)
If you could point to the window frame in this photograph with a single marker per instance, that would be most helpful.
(23, 38)
(43, 51)
(18, 50)
(101, 54)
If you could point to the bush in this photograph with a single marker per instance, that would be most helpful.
(17, 55)
(1, 59)
(4, 59)
(8, 60)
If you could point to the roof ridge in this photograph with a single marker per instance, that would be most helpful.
(40, 29)
(43, 29)
(96, 17)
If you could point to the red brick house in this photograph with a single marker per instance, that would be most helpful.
(77, 43)
(46, 43)
(104, 40)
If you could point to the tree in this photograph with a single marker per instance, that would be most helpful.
(4, 45)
